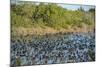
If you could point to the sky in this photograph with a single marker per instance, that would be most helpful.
(75, 7)
(72, 6)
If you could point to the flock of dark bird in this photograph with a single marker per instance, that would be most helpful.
(67, 48)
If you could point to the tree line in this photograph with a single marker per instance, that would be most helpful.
(49, 14)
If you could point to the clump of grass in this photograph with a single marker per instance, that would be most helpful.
(91, 55)
(18, 62)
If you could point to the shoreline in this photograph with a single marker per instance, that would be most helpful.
(21, 31)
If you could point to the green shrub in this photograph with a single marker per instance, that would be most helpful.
(52, 15)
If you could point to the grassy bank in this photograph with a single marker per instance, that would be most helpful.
(41, 19)
(21, 31)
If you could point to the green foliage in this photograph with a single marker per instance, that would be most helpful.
(92, 10)
(81, 9)
(18, 62)
(46, 14)
(91, 54)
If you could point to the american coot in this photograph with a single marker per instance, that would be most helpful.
(75, 47)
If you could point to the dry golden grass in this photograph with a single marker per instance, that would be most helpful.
(48, 30)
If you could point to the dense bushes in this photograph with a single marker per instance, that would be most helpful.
(52, 15)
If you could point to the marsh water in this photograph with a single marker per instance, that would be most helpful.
(52, 49)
